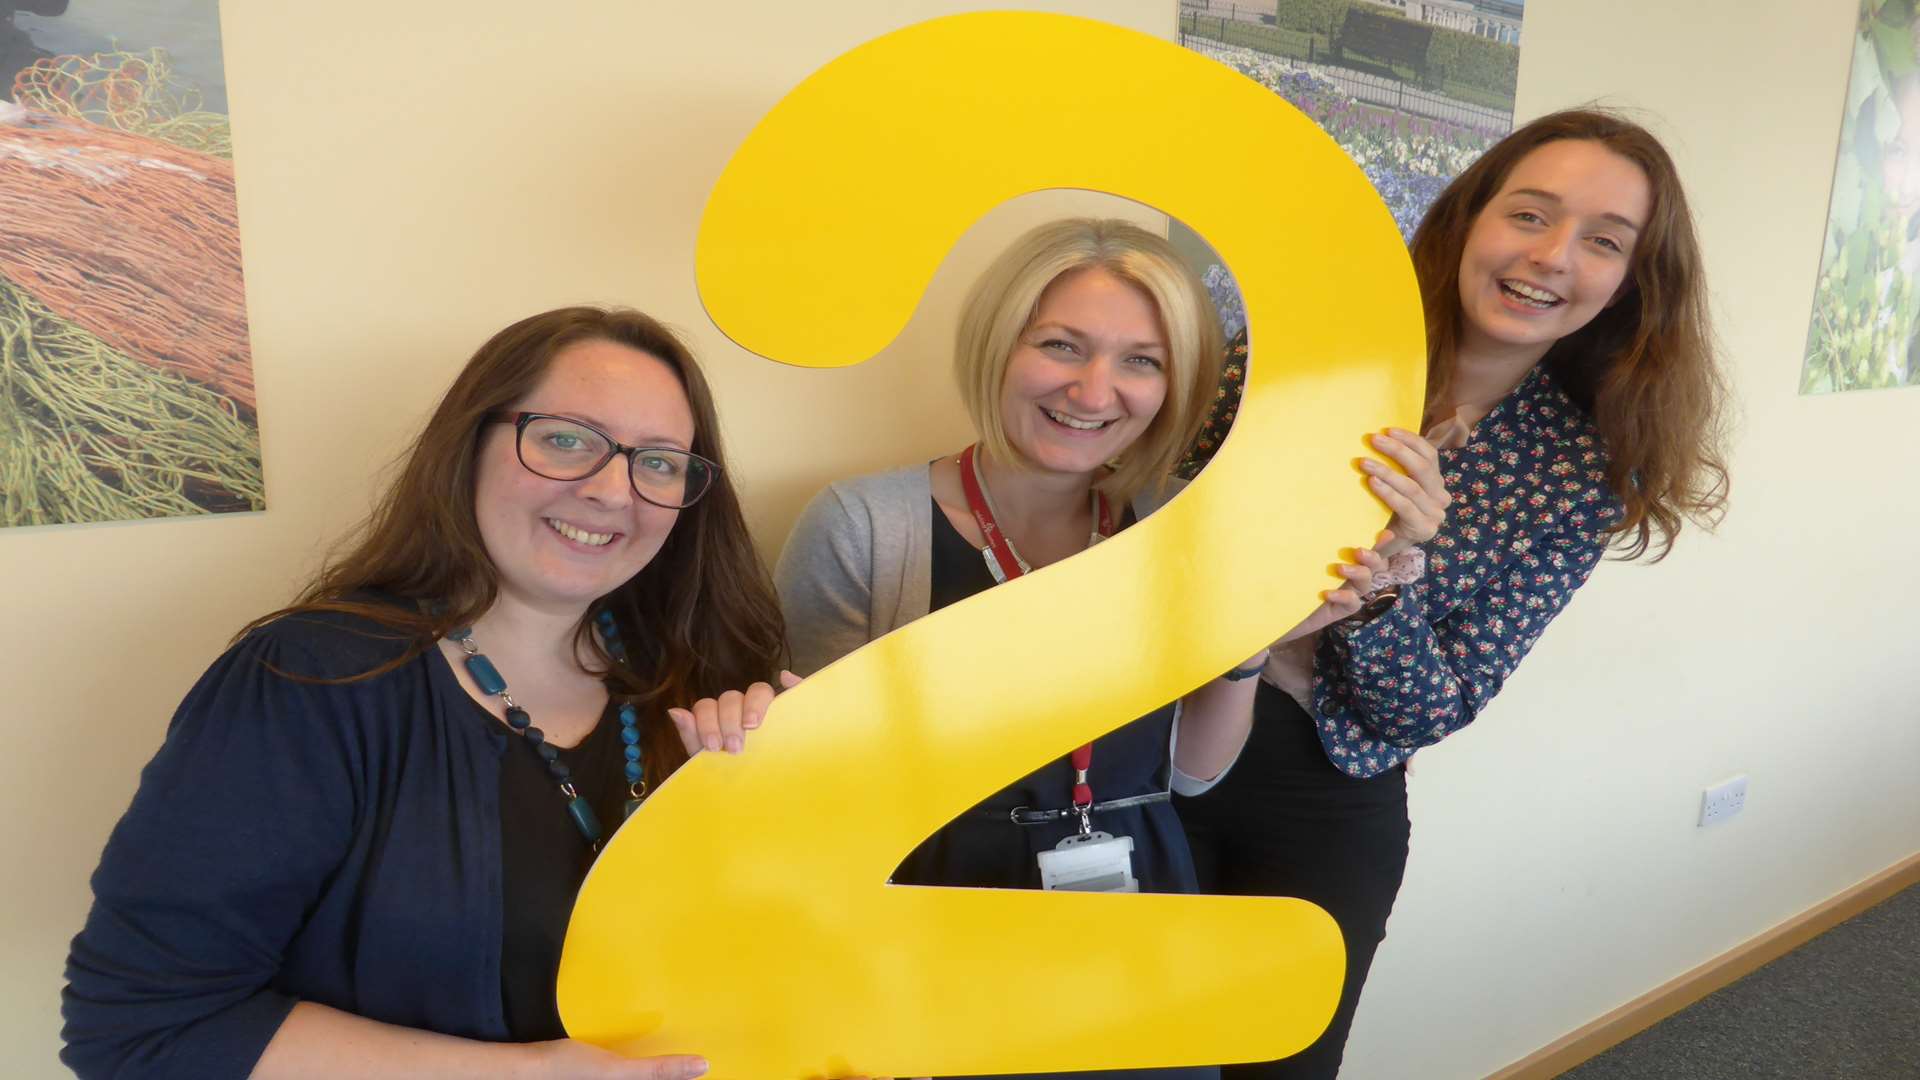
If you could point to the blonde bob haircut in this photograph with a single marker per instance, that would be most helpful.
(1005, 299)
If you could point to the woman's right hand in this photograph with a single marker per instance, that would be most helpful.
(316, 1040)
(1417, 495)
(565, 1059)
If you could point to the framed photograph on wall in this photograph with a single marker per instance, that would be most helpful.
(1864, 333)
(126, 376)
(1412, 90)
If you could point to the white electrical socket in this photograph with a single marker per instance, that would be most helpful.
(1723, 800)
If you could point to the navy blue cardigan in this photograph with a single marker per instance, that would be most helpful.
(289, 841)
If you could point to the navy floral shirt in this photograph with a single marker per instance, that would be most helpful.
(1528, 524)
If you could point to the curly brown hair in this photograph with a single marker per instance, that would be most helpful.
(702, 616)
(1644, 369)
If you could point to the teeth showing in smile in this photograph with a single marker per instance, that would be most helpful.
(579, 536)
(1077, 425)
(1528, 294)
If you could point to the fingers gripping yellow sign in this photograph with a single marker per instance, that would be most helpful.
(744, 913)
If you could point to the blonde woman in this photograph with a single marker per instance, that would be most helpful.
(1087, 356)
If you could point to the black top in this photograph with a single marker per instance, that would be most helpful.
(543, 860)
(983, 848)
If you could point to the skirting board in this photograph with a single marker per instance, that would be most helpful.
(1663, 1001)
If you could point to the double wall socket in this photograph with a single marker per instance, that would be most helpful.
(1723, 800)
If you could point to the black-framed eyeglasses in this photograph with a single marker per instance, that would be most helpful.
(563, 448)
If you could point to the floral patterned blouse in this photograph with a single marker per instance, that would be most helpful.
(1226, 404)
(1528, 524)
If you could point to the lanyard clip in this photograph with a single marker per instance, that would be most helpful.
(1082, 790)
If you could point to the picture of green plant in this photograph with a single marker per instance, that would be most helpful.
(1866, 304)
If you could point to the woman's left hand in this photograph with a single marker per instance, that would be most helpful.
(722, 723)
(1339, 603)
(1418, 497)
(1367, 562)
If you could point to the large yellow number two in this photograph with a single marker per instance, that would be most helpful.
(744, 913)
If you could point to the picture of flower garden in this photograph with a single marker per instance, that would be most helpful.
(1408, 158)
(1409, 92)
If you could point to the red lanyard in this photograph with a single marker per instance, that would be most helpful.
(1002, 557)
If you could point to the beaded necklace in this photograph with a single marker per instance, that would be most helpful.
(489, 680)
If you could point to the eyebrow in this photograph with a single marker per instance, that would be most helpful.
(1549, 196)
(1135, 345)
(645, 440)
(662, 440)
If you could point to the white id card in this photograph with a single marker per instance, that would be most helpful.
(1097, 862)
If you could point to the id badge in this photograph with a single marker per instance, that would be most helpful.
(1096, 862)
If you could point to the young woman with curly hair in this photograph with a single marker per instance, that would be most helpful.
(1573, 406)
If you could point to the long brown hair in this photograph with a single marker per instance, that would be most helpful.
(1644, 369)
(699, 619)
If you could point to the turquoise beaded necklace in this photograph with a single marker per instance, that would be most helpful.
(489, 680)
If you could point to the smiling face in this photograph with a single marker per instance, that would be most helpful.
(1087, 375)
(559, 545)
(1551, 249)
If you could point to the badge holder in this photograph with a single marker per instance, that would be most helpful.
(1090, 861)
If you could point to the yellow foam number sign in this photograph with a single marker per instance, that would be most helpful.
(744, 913)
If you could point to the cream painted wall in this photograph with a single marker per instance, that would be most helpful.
(415, 175)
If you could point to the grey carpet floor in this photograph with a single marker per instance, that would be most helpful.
(1844, 1006)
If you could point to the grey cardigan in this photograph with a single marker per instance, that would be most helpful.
(859, 564)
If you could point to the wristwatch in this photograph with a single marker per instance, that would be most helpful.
(1375, 605)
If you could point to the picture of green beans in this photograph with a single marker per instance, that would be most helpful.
(126, 375)
(88, 434)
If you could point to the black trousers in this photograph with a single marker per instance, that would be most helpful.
(1284, 822)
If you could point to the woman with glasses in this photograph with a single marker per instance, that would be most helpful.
(1087, 355)
(357, 849)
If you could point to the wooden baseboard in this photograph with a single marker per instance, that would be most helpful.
(1663, 1001)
